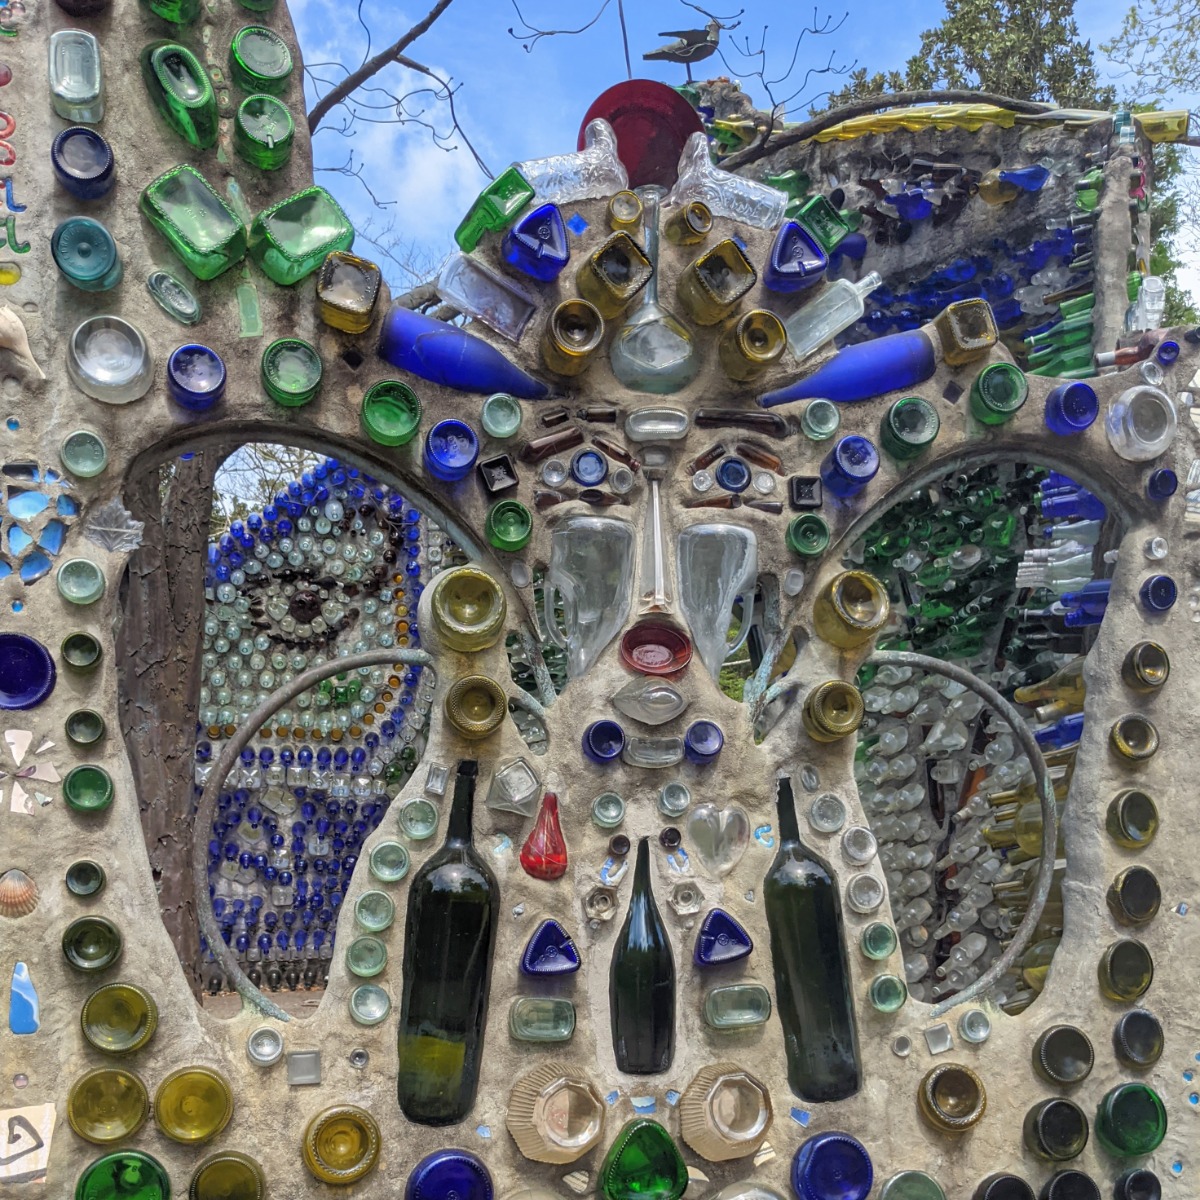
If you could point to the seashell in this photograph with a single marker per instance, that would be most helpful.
(14, 338)
(18, 893)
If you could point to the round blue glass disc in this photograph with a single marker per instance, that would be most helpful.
(702, 742)
(733, 475)
(451, 448)
(83, 163)
(1162, 484)
(449, 1175)
(832, 1166)
(195, 377)
(603, 741)
(27, 671)
(589, 468)
(1158, 593)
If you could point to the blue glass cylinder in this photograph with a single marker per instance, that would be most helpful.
(195, 377)
(451, 448)
(1158, 593)
(83, 163)
(452, 357)
(603, 742)
(797, 261)
(865, 370)
(449, 1175)
(537, 245)
(703, 742)
(84, 251)
(589, 468)
(832, 1166)
(1162, 484)
(1071, 408)
(850, 465)
(733, 475)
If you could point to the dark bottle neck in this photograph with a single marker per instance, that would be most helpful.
(458, 828)
(785, 805)
(641, 869)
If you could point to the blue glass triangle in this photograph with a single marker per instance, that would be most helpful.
(537, 245)
(797, 261)
(550, 951)
(721, 940)
(23, 1008)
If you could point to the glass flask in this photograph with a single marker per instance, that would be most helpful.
(483, 295)
(840, 304)
(653, 351)
(200, 227)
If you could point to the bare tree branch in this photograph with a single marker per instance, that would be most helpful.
(870, 104)
(373, 66)
(713, 16)
(535, 34)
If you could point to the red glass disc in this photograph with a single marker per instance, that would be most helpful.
(655, 649)
(652, 122)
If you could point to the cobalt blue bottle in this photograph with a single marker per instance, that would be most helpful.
(832, 1166)
(850, 465)
(797, 261)
(83, 163)
(537, 245)
(1071, 408)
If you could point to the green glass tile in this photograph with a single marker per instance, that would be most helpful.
(738, 1006)
(823, 221)
(199, 225)
(290, 239)
(642, 1164)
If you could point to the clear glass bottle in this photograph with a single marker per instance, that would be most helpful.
(725, 194)
(837, 306)
(76, 76)
(1141, 423)
(586, 174)
(653, 351)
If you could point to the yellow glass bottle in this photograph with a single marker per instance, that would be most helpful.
(689, 224)
(192, 1105)
(850, 610)
(711, 287)
(952, 1098)
(468, 609)
(1065, 684)
(1022, 828)
(1134, 737)
(1134, 896)
(119, 1018)
(571, 336)
(107, 1105)
(341, 1144)
(347, 291)
(832, 710)
(751, 343)
(475, 706)
(967, 331)
(1132, 819)
(625, 211)
(1035, 962)
(1146, 667)
(612, 275)
(227, 1175)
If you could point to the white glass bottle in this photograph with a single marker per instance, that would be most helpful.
(835, 308)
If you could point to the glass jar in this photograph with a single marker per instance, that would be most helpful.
(952, 1098)
(109, 359)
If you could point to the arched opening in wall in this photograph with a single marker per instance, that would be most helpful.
(1002, 569)
(272, 560)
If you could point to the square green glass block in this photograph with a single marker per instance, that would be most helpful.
(201, 228)
(290, 239)
(824, 222)
(494, 208)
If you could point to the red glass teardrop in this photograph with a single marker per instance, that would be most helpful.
(544, 855)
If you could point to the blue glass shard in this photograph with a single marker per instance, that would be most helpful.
(576, 224)
(18, 540)
(673, 1097)
(52, 476)
(550, 951)
(34, 566)
(23, 1002)
(613, 1097)
(52, 537)
(643, 1105)
(800, 1116)
(721, 940)
(65, 506)
(27, 472)
(5, 569)
(23, 504)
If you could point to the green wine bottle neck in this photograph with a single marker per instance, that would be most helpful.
(458, 828)
(785, 803)
(641, 870)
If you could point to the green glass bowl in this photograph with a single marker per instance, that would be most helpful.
(80, 581)
(88, 788)
(391, 413)
(374, 911)
(291, 372)
(81, 652)
(366, 956)
(389, 862)
(85, 727)
(91, 944)
(369, 1004)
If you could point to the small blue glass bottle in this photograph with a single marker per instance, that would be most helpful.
(84, 251)
(703, 742)
(733, 475)
(589, 468)
(850, 466)
(832, 1166)
(1162, 484)
(83, 163)
(1158, 593)
(537, 245)
(196, 379)
(603, 742)
(451, 449)
(1071, 408)
(449, 1175)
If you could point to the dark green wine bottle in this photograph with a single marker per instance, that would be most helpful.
(449, 940)
(641, 982)
(812, 976)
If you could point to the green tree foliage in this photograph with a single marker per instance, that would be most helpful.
(1159, 45)
(1026, 49)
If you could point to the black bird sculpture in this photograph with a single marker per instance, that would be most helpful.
(690, 46)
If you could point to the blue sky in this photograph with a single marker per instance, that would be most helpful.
(516, 104)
